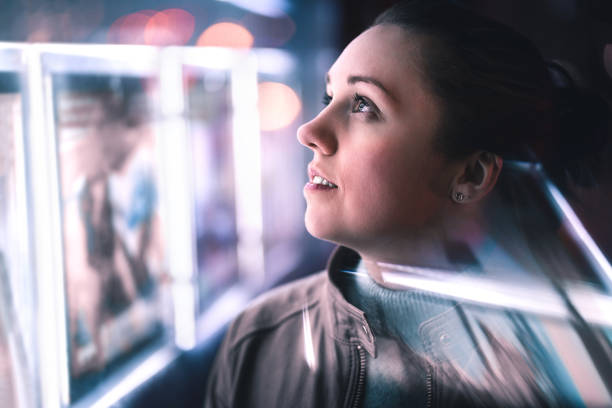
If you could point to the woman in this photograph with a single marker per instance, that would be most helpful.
(421, 111)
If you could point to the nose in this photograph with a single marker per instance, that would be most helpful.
(318, 135)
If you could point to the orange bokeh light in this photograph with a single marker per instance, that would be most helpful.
(230, 35)
(169, 27)
(278, 105)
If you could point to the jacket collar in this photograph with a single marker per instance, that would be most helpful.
(346, 323)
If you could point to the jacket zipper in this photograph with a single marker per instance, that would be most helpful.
(429, 380)
(360, 378)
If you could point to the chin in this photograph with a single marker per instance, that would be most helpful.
(320, 228)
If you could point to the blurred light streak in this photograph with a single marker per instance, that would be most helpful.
(309, 354)
(532, 298)
(169, 27)
(278, 105)
(178, 208)
(594, 306)
(270, 8)
(274, 62)
(230, 35)
(145, 371)
(92, 58)
(47, 241)
(183, 294)
(247, 176)
(575, 227)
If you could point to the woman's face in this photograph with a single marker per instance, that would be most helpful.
(374, 142)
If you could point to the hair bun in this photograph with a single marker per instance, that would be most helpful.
(584, 129)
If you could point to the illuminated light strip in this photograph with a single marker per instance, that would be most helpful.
(596, 258)
(176, 182)
(145, 371)
(47, 240)
(272, 61)
(94, 58)
(533, 299)
(594, 306)
(10, 56)
(247, 177)
(309, 354)
(211, 57)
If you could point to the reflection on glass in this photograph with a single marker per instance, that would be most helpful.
(11, 341)
(113, 252)
(210, 126)
(522, 319)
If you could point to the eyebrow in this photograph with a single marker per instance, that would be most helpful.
(353, 79)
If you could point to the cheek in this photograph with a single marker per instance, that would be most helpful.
(396, 188)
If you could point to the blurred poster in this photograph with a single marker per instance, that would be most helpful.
(209, 115)
(114, 257)
(11, 342)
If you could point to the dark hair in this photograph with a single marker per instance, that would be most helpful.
(497, 93)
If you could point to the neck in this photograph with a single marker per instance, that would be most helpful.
(448, 246)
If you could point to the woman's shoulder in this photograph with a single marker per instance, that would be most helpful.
(279, 306)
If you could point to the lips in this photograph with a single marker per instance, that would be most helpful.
(319, 181)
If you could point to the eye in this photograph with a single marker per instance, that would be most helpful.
(363, 105)
(326, 99)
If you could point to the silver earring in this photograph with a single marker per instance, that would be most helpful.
(459, 197)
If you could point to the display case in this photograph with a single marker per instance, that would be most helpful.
(209, 106)
(101, 254)
(17, 301)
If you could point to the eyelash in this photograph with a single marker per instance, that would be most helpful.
(356, 102)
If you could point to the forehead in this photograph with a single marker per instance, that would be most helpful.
(386, 52)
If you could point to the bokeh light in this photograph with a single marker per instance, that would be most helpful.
(278, 105)
(226, 34)
(130, 29)
(169, 27)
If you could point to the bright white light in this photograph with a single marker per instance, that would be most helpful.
(177, 182)
(270, 8)
(597, 258)
(247, 164)
(47, 238)
(96, 58)
(212, 57)
(184, 315)
(534, 298)
(271, 61)
(308, 346)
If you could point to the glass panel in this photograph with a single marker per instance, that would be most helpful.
(114, 254)
(16, 302)
(283, 171)
(209, 113)
(522, 317)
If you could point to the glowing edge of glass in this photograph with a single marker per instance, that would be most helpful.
(247, 165)
(47, 238)
(151, 366)
(596, 257)
(539, 300)
(177, 183)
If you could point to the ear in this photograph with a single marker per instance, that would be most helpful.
(476, 177)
